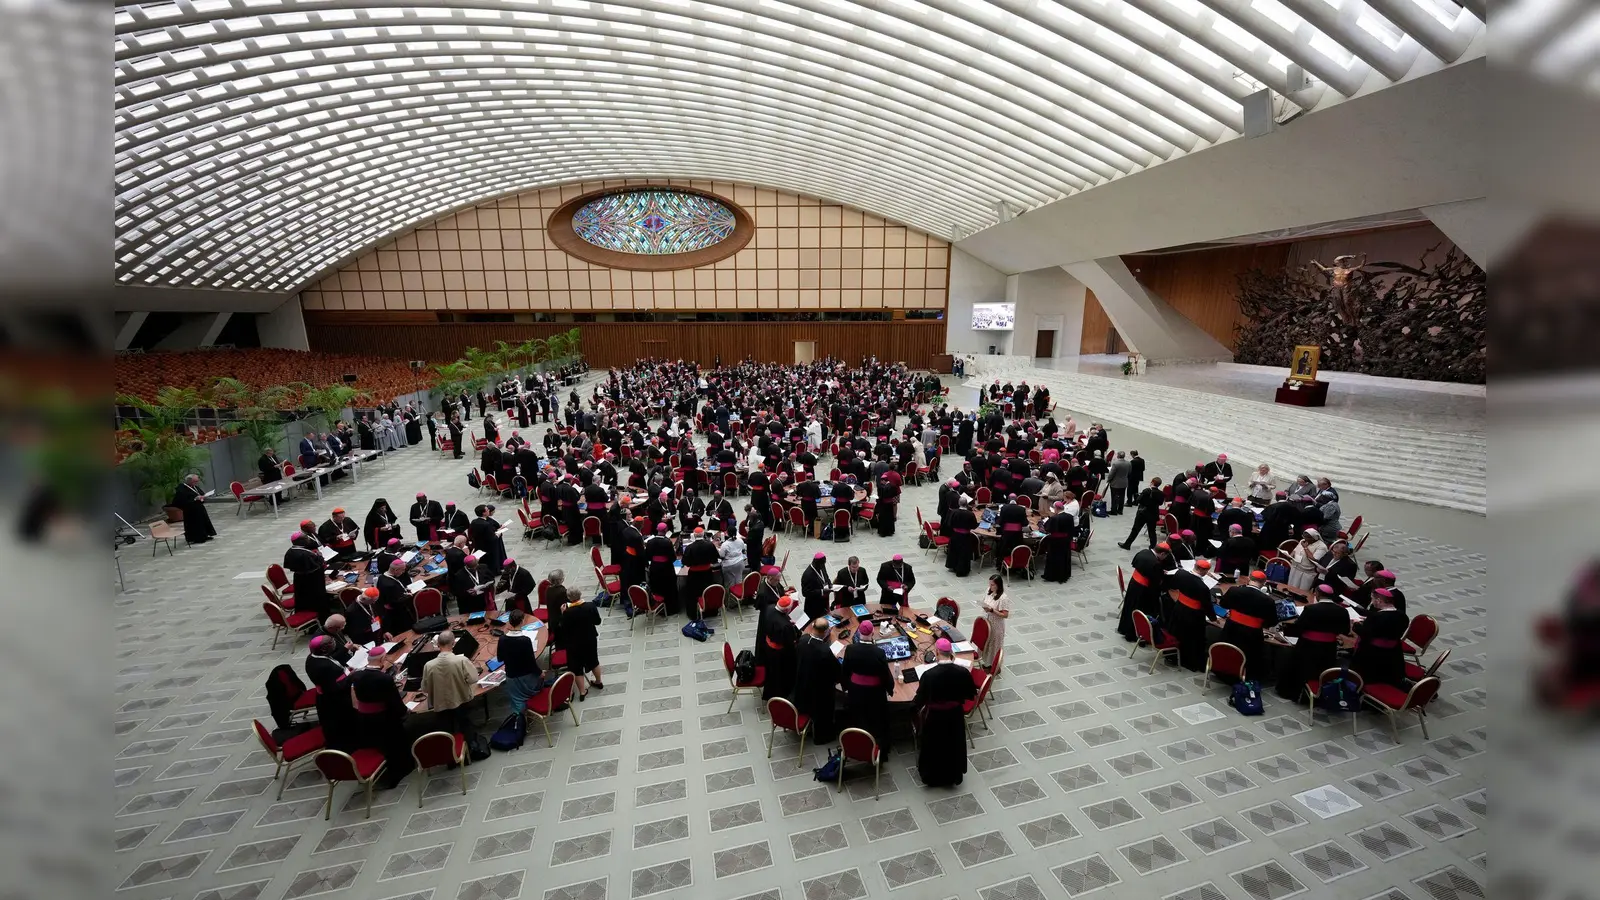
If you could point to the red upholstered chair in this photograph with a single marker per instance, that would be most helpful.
(976, 705)
(612, 586)
(858, 745)
(284, 622)
(545, 704)
(592, 530)
(279, 580)
(841, 525)
(913, 473)
(1328, 676)
(730, 484)
(712, 599)
(291, 754)
(785, 716)
(1391, 701)
(982, 496)
(245, 500)
(999, 662)
(1415, 672)
(1020, 557)
(980, 633)
(1145, 632)
(745, 591)
(440, 748)
(594, 557)
(1122, 582)
(1355, 528)
(1224, 659)
(796, 520)
(935, 542)
(362, 767)
(302, 701)
(777, 512)
(1169, 524)
(754, 685)
(1420, 633)
(428, 602)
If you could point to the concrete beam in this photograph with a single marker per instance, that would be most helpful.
(284, 327)
(128, 328)
(214, 330)
(1483, 230)
(1415, 144)
(194, 332)
(1147, 324)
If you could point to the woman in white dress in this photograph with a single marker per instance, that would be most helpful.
(996, 610)
(1303, 561)
(1262, 485)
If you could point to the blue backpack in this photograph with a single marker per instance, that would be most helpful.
(510, 734)
(1277, 571)
(1339, 696)
(1246, 698)
(697, 630)
(829, 770)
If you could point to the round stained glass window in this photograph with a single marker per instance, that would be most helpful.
(654, 222)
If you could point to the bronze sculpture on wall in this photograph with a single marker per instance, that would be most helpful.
(1340, 275)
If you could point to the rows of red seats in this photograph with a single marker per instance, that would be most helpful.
(142, 374)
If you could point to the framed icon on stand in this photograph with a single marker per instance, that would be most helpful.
(1303, 363)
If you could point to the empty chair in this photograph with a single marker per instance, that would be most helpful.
(440, 748)
(592, 530)
(246, 501)
(1391, 701)
(797, 520)
(785, 716)
(712, 599)
(1420, 633)
(1020, 557)
(284, 622)
(360, 766)
(292, 754)
(545, 704)
(976, 704)
(1415, 672)
(594, 557)
(1145, 632)
(841, 525)
(856, 744)
(428, 602)
(1314, 690)
(1225, 661)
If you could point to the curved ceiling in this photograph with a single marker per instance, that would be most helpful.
(259, 142)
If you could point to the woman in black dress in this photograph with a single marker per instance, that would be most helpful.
(580, 637)
(413, 427)
(380, 525)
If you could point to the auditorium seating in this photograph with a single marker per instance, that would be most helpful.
(384, 378)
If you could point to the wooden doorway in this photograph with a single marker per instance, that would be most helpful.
(1044, 345)
(805, 352)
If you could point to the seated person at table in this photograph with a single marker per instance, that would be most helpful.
(339, 532)
(1237, 554)
(1335, 567)
(1250, 610)
(394, 602)
(896, 579)
(1318, 629)
(448, 681)
(333, 627)
(270, 467)
(1377, 577)
(1236, 513)
(1378, 656)
(455, 520)
(381, 524)
(391, 552)
(868, 684)
(852, 580)
(361, 618)
(516, 650)
(321, 668)
(380, 722)
(942, 692)
(816, 677)
(775, 647)
(469, 589)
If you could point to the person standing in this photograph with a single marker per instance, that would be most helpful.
(895, 581)
(996, 610)
(1057, 544)
(958, 553)
(310, 580)
(428, 516)
(1303, 561)
(580, 637)
(1378, 656)
(816, 680)
(516, 650)
(1144, 588)
(1118, 480)
(1250, 610)
(868, 684)
(942, 693)
(699, 558)
(1318, 629)
(197, 527)
(852, 580)
(814, 587)
(447, 683)
(1187, 613)
(775, 648)
(1262, 485)
(456, 434)
(1149, 509)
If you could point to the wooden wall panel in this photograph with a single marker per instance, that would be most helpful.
(621, 343)
(1203, 285)
(1096, 325)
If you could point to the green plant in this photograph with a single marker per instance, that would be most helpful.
(533, 351)
(452, 378)
(330, 400)
(1127, 367)
(159, 453)
(258, 411)
(987, 409)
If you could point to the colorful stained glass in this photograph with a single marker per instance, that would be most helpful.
(653, 223)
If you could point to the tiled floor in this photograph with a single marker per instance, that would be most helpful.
(1097, 777)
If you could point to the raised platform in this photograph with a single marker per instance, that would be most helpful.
(1419, 445)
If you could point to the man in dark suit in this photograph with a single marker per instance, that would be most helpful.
(427, 515)
(1147, 510)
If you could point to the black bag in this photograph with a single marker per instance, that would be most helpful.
(472, 480)
(478, 747)
(510, 734)
(922, 541)
(430, 625)
(744, 666)
(948, 613)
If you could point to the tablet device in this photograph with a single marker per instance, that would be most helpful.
(860, 611)
(494, 665)
(476, 618)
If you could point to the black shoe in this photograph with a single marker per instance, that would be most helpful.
(582, 697)
(597, 685)
(1125, 546)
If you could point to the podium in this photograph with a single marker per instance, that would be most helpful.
(1303, 393)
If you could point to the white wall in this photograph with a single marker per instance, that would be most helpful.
(973, 281)
(284, 327)
(1046, 299)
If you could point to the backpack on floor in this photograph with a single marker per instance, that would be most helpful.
(1246, 698)
(829, 770)
(472, 480)
(602, 599)
(477, 747)
(510, 734)
(744, 666)
(696, 630)
(1339, 696)
(1099, 509)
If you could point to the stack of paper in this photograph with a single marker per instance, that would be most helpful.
(409, 556)
(412, 705)
(1211, 581)
(837, 648)
(1188, 565)
(358, 660)
(963, 663)
(922, 669)
(964, 647)
(415, 586)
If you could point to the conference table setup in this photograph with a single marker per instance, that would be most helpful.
(272, 491)
(482, 627)
(906, 635)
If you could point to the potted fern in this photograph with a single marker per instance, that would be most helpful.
(158, 451)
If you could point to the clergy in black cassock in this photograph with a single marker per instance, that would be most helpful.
(775, 649)
(816, 677)
(896, 580)
(941, 737)
(1186, 616)
(814, 587)
(428, 516)
(1144, 587)
(1318, 628)
(1057, 544)
(958, 553)
(310, 582)
(197, 527)
(867, 686)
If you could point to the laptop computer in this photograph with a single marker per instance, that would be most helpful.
(895, 648)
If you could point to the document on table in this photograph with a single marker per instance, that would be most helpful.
(409, 556)
(936, 622)
(327, 552)
(413, 704)
(964, 647)
(922, 669)
(359, 659)
(1188, 565)
(1211, 581)
(963, 663)
(415, 586)
(334, 587)
(493, 678)
(837, 648)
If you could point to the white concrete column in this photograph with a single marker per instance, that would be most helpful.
(284, 327)
(1147, 324)
(1046, 299)
(1482, 231)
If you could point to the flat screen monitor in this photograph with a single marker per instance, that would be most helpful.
(994, 316)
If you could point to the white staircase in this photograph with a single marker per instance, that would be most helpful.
(1439, 468)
